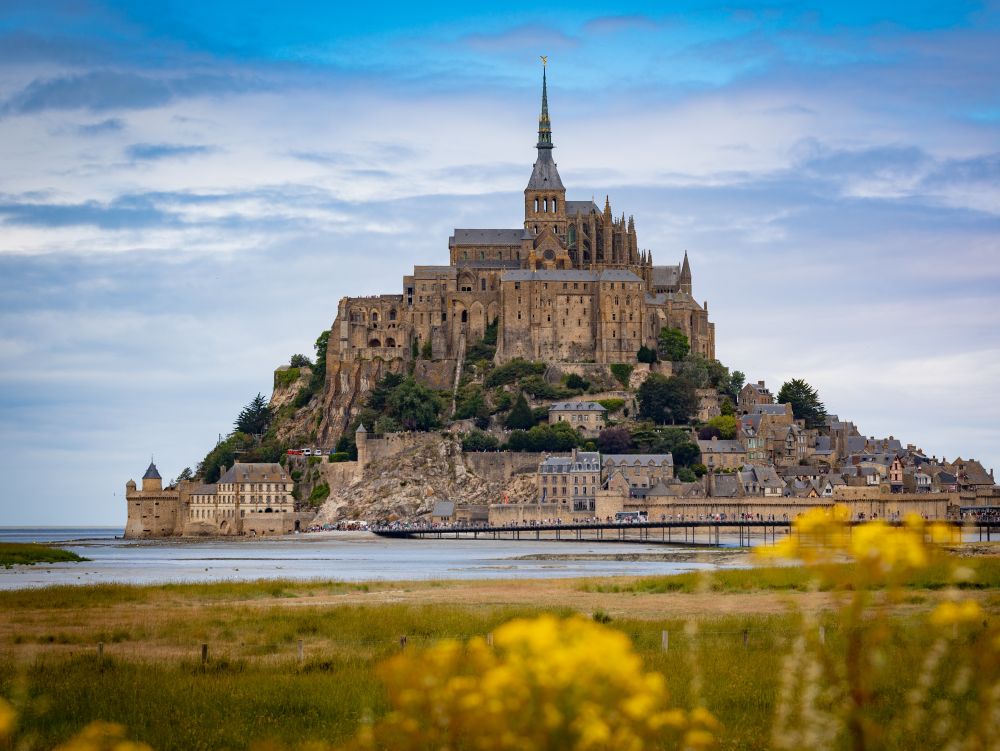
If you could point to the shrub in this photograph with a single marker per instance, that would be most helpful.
(622, 372)
(614, 441)
(319, 494)
(575, 381)
(300, 361)
(513, 371)
(646, 355)
(477, 440)
(725, 424)
(539, 388)
(672, 344)
(686, 474)
(285, 378)
(339, 456)
(427, 351)
(611, 405)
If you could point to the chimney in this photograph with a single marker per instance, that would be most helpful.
(760, 383)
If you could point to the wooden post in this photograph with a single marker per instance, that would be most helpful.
(100, 652)
(822, 634)
(204, 655)
(301, 652)
(664, 640)
(489, 638)
(402, 642)
(746, 638)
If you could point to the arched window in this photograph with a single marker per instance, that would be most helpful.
(465, 316)
(374, 315)
(545, 205)
(536, 205)
(555, 202)
(390, 342)
(392, 314)
(374, 343)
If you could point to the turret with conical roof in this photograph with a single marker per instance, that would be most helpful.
(151, 481)
(545, 196)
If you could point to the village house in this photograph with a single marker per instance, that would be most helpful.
(638, 470)
(717, 453)
(587, 417)
(571, 481)
(751, 395)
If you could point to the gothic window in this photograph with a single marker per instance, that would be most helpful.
(374, 343)
(465, 316)
(545, 205)
(392, 314)
(390, 342)
(482, 285)
(536, 205)
(555, 201)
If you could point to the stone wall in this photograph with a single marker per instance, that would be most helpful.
(519, 513)
(931, 506)
(259, 525)
(500, 466)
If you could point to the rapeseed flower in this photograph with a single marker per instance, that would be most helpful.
(548, 683)
(8, 720)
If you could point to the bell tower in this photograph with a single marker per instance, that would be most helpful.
(545, 196)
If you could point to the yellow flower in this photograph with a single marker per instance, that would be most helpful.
(8, 719)
(102, 736)
(952, 613)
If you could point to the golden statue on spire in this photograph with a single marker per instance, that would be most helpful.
(545, 60)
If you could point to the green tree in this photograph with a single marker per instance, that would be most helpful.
(805, 402)
(427, 351)
(255, 418)
(378, 398)
(736, 383)
(672, 344)
(646, 354)
(415, 407)
(186, 474)
(686, 454)
(725, 424)
(415, 348)
(686, 474)
(614, 441)
(666, 400)
(299, 361)
(622, 371)
(519, 417)
(471, 402)
(477, 440)
(576, 381)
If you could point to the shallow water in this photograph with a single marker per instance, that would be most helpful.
(348, 556)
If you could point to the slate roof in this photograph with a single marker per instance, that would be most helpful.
(635, 459)
(152, 473)
(255, 472)
(725, 486)
(586, 461)
(721, 447)
(768, 409)
(204, 489)
(433, 271)
(666, 276)
(488, 263)
(544, 173)
(577, 407)
(444, 509)
(488, 236)
(581, 207)
(569, 275)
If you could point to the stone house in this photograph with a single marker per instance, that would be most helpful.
(572, 481)
(722, 454)
(638, 470)
(751, 395)
(587, 417)
(761, 481)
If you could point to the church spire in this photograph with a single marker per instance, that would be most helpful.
(544, 126)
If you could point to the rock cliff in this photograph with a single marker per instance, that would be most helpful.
(407, 484)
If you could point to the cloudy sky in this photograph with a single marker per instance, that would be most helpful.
(188, 188)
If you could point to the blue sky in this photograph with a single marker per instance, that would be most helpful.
(188, 188)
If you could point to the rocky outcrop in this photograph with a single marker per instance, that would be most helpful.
(406, 485)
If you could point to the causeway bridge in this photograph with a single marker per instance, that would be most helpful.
(701, 532)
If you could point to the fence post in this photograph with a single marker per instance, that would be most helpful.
(100, 652)
(664, 640)
(489, 638)
(204, 655)
(402, 642)
(301, 652)
(822, 634)
(746, 637)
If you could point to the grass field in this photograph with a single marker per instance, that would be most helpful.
(28, 553)
(255, 690)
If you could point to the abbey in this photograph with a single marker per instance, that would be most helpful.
(571, 285)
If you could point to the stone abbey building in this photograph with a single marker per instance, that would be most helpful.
(572, 285)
